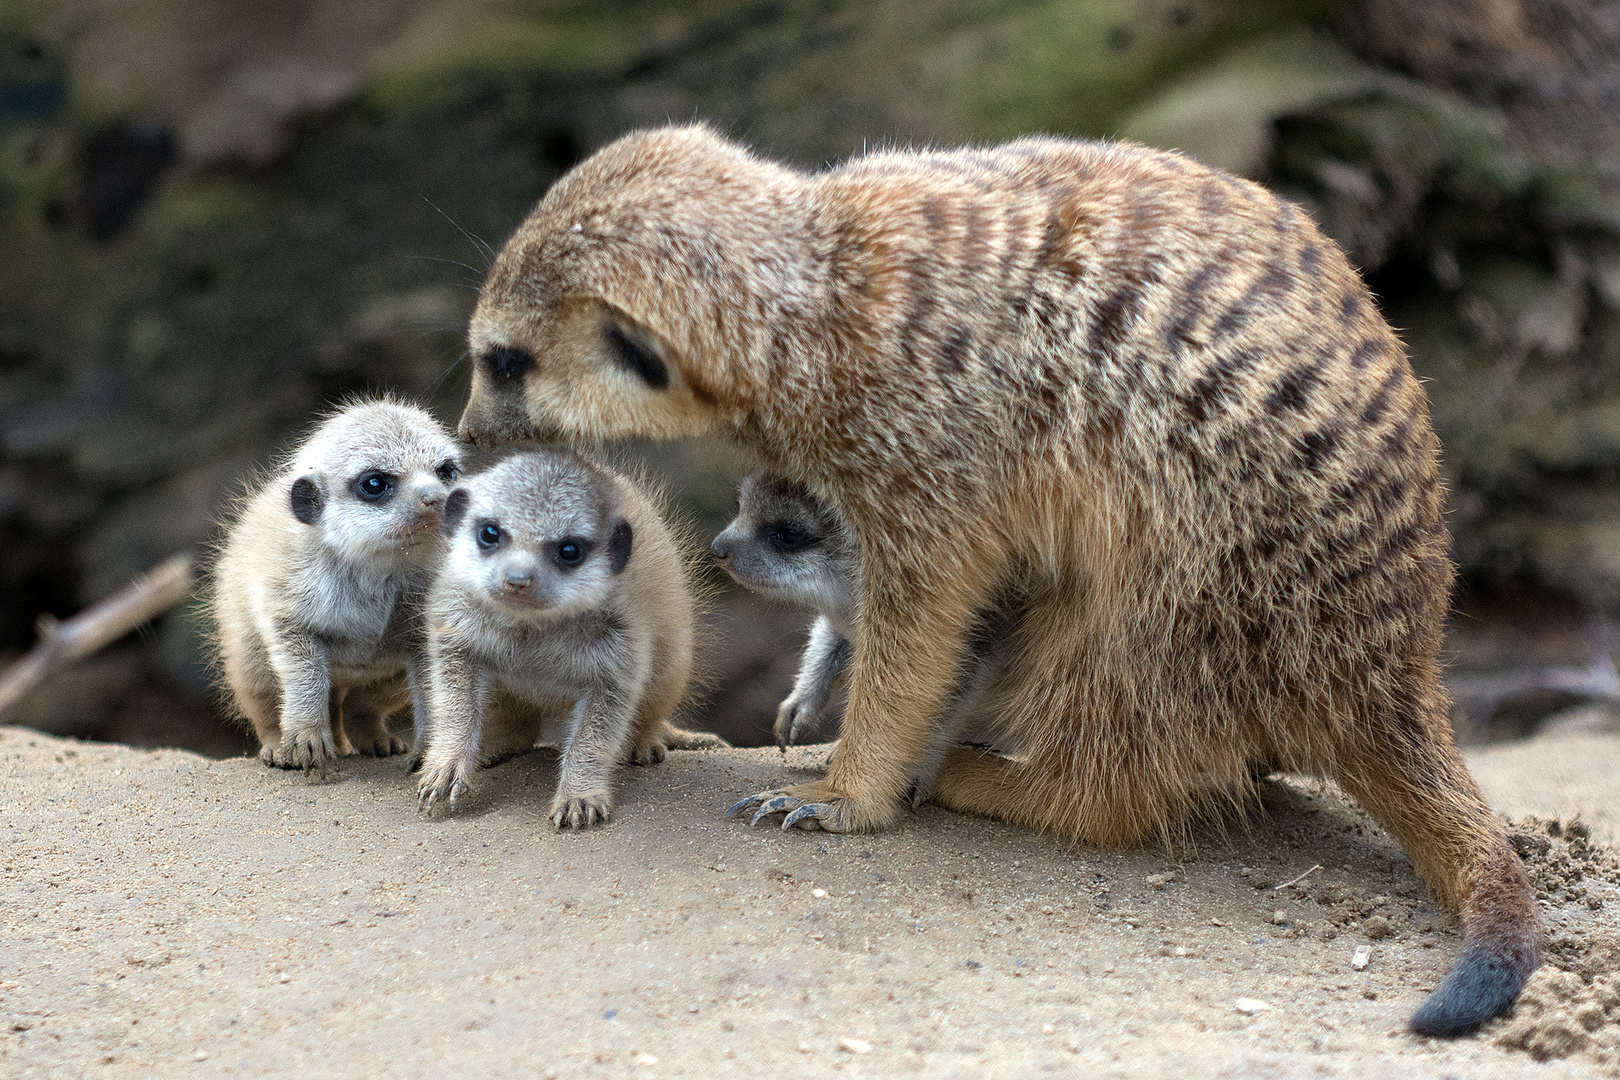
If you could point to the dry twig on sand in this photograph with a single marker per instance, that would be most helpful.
(64, 643)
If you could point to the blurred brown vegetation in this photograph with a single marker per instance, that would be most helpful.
(219, 217)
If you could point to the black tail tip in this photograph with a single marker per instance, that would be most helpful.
(1481, 986)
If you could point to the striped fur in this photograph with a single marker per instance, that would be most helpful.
(1157, 388)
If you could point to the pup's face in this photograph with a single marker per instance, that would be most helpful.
(373, 480)
(785, 543)
(536, 538)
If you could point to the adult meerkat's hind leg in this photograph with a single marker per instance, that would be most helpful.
(1107, 754)
(1422, 793)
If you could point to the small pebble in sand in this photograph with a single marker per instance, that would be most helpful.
(646, 1059)
(201, 1055)
(1378, 927)
(1362, 957)
(855, 1046)
(818, 893)
(1279, 917)
(1159, 881)
(1251, 1006)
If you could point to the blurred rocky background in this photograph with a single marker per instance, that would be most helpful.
(216, 218)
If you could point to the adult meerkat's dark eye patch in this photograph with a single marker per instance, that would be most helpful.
(506, 364)
(632, 352)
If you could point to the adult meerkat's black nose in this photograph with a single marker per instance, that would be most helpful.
(721, 549)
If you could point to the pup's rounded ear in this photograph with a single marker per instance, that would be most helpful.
(455, 508)
(307, 500)
(619, 546)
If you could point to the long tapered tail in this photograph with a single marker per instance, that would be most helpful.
(1480, 986)
(1501, 948)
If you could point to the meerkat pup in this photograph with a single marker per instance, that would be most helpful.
(318, 587)
(788, 545)
(1157, 386)
(562, 592)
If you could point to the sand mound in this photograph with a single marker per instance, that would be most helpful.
(1572, 1005)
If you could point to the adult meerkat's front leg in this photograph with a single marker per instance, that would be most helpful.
(905, 663)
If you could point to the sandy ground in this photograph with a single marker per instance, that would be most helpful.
(162, 910)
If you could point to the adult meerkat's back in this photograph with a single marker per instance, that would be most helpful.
(1156, 386)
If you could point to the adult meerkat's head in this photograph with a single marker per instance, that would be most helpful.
(633, 299)
(538, 536)
(789, 545)
(373, 480)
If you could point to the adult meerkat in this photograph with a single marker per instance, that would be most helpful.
(1158, 386)
(788, 545)
(318, 586)
(562, 594)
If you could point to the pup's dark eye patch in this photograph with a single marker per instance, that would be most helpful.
(375, 486)
(786, 537)
(505, 363)
(637, 358)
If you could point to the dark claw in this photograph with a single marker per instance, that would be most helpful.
(775, 805)
(752, 800)
(807, 812)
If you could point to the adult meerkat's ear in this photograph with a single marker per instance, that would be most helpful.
(307, 500)
(634, 348)
(619, 546)
(455, 508)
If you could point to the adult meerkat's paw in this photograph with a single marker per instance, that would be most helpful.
(581, 811)
(812, 806)
(275, 757)
(442, 783)
(310, 750)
